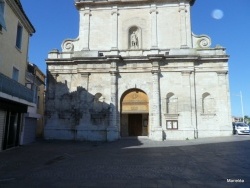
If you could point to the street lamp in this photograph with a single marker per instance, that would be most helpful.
(242, 108)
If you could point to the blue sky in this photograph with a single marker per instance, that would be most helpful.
(57, 20)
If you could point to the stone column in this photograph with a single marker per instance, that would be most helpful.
(156, 129)
(113, 101)
(183, 25)
(84, 81)
(154, 38)
(114, 14)
(113, 130)
(188, 103)
(84, 27)
(223, 108)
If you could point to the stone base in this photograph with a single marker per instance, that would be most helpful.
(112, 134)
(157, 134)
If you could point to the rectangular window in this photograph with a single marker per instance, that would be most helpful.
(15, 74)
(172, 124)
(2, 20)
(19, 36)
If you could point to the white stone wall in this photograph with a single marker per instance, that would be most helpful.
(184, 80)
(89, 77)
(106, 26)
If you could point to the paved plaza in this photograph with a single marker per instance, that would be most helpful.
(129, 163)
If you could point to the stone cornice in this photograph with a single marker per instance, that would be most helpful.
(152, 57)
(222, 72)
(82, 3)
(113, 57)
(214, 57)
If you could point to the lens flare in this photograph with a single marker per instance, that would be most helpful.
(217, 14)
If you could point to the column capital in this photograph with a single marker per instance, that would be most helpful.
(55, 75)
(155, 65)
(114, 10)
(153, 10)
(85, 74)
(115, 13)
(186, 73)
(113, 68)
(182, 9)
(154, 71)
(113, 72)
(86, 11)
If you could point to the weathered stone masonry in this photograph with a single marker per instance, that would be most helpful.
(136, 69)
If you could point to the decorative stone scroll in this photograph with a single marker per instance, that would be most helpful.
(201, 41)
(68, 45)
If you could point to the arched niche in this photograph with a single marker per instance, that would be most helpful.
(134, 38)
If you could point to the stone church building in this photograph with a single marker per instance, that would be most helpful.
(136, 69)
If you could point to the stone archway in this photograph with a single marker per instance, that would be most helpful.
(134, 113)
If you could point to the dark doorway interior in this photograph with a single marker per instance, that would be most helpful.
(135, 124)
(12, 130)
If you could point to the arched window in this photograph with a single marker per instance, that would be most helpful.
(172, 104)
(208, 105)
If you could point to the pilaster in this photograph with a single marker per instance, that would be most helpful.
(85, 80)
(183, 24)
(115, 15)
(188, 100)
(113, 100)
(85, 27)
(113, 130)
(156, 94)
(154, 37)
(156, 130)
(223, 94)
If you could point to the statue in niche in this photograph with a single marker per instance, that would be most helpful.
(134, 43)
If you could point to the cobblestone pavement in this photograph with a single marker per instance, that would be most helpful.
(129, 163)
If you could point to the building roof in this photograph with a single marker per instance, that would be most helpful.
(19, 4)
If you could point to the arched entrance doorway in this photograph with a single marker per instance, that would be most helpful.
(134, 113)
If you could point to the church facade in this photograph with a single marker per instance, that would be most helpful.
(136, 69)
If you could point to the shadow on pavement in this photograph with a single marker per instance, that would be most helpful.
(128, 163)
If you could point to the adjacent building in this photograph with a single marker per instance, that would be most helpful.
(34, 118)
(137, 69)
(15, 97)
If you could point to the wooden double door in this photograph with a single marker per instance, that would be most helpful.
(135, 126)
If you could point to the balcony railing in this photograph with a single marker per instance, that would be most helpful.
(12, 87)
